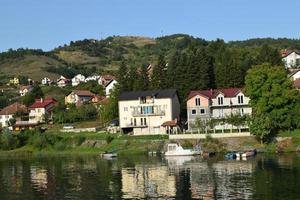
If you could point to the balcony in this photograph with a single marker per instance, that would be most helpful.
(138, 113)
(129, 125)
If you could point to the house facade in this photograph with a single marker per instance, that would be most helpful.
(42, 110)
(79, 97)
(63, 82)
(291, 59)
(24, 89)
(46, 81)
(78, 79)
(216, 104)
(146, 112)
(8, 112)
(109, 87)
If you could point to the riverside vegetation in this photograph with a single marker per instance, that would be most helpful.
(33, 142)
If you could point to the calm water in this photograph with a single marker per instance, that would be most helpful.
(264, 177)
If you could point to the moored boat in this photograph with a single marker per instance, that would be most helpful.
(176, 150)
(230, 155)
(110, 154)
(249, 153)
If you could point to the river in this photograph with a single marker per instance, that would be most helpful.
(90, 177)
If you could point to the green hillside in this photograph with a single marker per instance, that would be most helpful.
(95, 56)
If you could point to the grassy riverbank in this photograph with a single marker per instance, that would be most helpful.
(56, 143)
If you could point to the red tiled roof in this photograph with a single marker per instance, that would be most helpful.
(13, 108)
(85, 93)
(297, 83)
(42, 103)
(228, 92)
(108, 77)
(170, 123)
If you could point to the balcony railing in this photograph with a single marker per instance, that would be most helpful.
(155, 113)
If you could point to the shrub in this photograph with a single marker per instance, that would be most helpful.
(8, 141)
(38, 141)
(79, 140)
(109, 139)
(60, 146)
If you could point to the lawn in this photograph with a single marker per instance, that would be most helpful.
(294, 134)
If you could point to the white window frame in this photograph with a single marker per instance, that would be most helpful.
(203, 112)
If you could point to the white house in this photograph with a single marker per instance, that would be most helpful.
(294, 75)
(41, 109)
(8, 112)
(46, 81)
(92, 78)
(291, 59)
(63, 81)
(216, 104)
(24, 89)
(109, 87)
(78, 79)
(149, 112)
(105, 79)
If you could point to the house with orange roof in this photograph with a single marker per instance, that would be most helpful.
(42, 110)
(216, 104)
(8, 113)
(24, 89)
(291, 58)
(79, 97)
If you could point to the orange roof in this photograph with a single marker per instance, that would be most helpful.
(297, 83)
(170, 123)
(13, 108)
(108, 77)
(86, 93)
(42, 103)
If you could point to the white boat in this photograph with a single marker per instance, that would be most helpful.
(176, 150)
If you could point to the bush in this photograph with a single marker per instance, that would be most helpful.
(8, 141)
(109, 139)
(60, 146)
(38, 141)
(79, 140)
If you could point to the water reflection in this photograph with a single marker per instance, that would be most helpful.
(263, 177)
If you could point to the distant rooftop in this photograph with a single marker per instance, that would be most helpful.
(158, 94)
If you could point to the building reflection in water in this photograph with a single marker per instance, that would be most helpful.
(189, 177)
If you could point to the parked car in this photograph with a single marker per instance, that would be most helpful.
(114, 122)
(68, 126)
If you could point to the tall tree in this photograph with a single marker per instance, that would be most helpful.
(270, 55)
(122, 75)
(158, 74)
(273, 100)
(142, 81)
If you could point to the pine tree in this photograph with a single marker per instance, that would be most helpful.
(123, 74)
(158, 75)
(142, 81)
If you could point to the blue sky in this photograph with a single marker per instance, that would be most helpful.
(46, 24)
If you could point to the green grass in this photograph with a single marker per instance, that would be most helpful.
(294, 134)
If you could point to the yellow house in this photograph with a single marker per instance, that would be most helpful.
(14, 81)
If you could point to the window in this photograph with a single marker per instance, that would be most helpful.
(202, 111)
(134, 122)
(125, 109)
(240, 99)
(142, 121)
(220, 100)
(145, 121)
(221, 113)
(194, 111)
(197, 101)
(242, 111)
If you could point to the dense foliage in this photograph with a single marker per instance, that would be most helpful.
(274, 100)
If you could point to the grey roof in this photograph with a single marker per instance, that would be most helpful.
(159, 94)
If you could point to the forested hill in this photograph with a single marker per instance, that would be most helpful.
(95, 56)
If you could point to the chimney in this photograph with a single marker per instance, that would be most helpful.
(42, 100)
(211, 92)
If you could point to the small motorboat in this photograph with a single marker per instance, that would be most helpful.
(109, 154)
(230, 156)
(249, 153)
(175, 149)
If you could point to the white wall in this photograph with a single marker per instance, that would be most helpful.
(4, 119)
(110, 87)
(290, 60)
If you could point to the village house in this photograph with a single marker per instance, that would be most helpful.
(24, 89)
(92, 78)
(14, 81)
(149, 112)
(290, 58)
(79, 97)
(63, 82)
(46, 81)
(216, 104)
(109, 87)
(8, 113)
(42, 110)
(76, 80)
(105, 79)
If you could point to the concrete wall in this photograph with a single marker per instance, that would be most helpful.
(203, 136)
